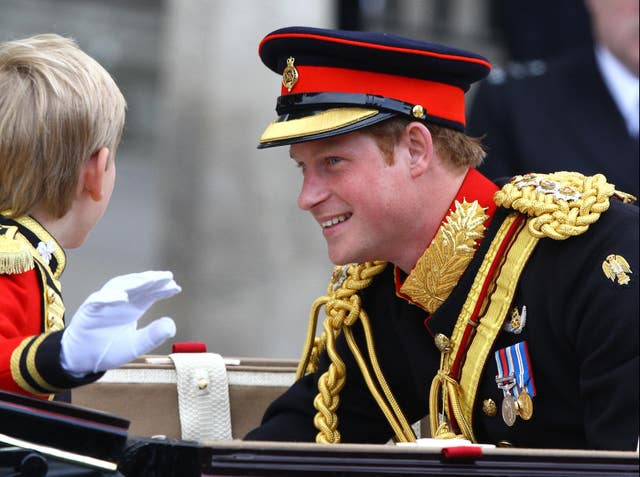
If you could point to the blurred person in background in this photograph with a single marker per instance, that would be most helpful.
(577, 111)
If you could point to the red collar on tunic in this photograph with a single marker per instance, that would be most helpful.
(475, 187)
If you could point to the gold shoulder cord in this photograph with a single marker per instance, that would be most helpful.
(561, 205)
(343, 308)
(558, 206)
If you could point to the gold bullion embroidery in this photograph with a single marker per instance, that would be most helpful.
(444, 261)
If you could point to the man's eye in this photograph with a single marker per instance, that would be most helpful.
(332, 161)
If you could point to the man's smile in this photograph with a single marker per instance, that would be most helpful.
(334, 220)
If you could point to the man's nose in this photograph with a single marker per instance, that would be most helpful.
(313, 191)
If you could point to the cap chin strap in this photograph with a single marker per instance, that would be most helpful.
(307, 103)
(289, 103)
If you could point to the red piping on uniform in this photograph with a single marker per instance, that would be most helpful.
(506, 242)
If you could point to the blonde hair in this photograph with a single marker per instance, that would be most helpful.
(58, 106)
(453, 146)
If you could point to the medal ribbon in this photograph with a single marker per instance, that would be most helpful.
(514, 360)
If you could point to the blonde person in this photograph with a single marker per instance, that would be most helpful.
(61, 119)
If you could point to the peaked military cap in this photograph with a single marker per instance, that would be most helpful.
(337, 81)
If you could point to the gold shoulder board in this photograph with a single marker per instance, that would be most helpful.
(15, 256)
(559, 205)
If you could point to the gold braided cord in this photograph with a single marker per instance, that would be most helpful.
(561, 204)
(343, 309)
(446, 390)
(329, 386)
(394, 415)
(312, 348)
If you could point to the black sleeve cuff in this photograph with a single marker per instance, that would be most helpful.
(46, 374)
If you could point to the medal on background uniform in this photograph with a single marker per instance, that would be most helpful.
(516, 381)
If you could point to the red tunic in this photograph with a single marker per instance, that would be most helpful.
(31, 310)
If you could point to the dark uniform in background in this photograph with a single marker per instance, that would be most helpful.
(546, 116)
(539, 332)
(32, 311)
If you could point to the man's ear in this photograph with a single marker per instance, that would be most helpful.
(420, 146)
(92, 175)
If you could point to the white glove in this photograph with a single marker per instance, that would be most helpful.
(102, 334)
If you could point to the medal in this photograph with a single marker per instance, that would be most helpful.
(509, 409)
(509, 404)
(516, 382)
(525, 405)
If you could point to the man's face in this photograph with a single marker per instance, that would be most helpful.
(615, 24)
(355, 196)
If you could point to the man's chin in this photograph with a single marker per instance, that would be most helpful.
(342, 257)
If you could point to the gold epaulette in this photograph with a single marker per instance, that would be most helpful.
(15, 256)
(559, 205)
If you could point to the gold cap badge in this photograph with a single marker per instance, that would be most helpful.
(290, 74)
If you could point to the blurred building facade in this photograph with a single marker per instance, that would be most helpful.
(193, 194)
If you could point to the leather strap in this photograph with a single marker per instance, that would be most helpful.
(203, 396)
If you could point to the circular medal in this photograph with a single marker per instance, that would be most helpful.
(525, 405)
(509, 410)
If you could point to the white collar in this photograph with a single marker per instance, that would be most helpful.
(622, 85)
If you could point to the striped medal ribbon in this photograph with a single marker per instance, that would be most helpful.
(516, 381)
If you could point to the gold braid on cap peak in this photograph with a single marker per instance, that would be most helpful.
(343, 309)
(560, 204)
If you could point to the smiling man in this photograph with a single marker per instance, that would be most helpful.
(508, 314)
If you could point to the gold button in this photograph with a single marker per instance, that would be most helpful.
(442, 342)
(504, 444)
(418, 111)
(202, 383)
(489, 407)
(51, 296)
(52, 320)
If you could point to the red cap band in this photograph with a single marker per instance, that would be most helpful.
(438, 99)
